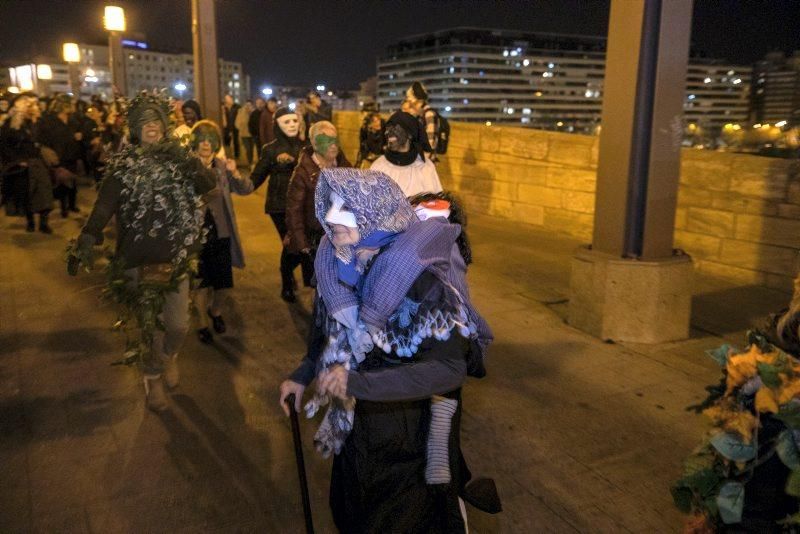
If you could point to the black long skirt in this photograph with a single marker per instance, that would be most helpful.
(216, 265)
(378, 479)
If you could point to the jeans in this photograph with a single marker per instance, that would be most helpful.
(175, 317)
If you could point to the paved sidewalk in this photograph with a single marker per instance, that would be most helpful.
(581, 436)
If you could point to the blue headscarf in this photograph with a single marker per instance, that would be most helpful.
(380, 208)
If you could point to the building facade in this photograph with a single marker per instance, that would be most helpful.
(542, 80)
(776, 90)
(145, 69)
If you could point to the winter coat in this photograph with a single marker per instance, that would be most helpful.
(266, 126)
(226, 184)
(253, 124)
(53, 133)
(242, 122)
(25, 176)
(301, 221)
(278, 173)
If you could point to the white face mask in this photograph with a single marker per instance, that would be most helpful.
(336, 215)
(289, 124)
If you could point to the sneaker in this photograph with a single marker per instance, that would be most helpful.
(154, 390)
(172, 375)
(205, 336)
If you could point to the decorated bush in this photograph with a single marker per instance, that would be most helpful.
(745, 476)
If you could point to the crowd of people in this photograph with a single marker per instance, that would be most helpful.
(393, 333)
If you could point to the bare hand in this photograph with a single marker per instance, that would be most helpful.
(286, 240)
(78, 136)
(289, 387)
(230, 165)
(306, 250)
(334, 382)
(284, 157)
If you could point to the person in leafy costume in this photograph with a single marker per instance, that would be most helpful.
(154, 187)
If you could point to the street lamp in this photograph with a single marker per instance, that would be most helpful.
(180, 87)
(72, 55)
(114, 23)
(266, 91)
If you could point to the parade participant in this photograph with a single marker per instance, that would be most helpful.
(277, 161)
(371, 140)
(153, 188)
(396, 334)
(26, 189)
(189, 114)
(231, 133)
(404, 160)
(56, 133)
(223, 247)
(301, 220)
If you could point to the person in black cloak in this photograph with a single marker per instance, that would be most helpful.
(276, 163)
(394, 336)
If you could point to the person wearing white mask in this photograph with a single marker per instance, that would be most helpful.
(276, 164)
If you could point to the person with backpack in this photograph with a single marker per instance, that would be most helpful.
(435, 127)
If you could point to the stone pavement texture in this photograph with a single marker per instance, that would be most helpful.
(581, 435)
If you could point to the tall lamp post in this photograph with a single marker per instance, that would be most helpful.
(114, 23)
(72, 55)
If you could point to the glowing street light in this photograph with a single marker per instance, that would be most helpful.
(114, 22)
(71, 52)
(266, 91)
(780, 124)
(180, 87)
(114, 19)
(13, 89)
(44, 72)
(320, 87)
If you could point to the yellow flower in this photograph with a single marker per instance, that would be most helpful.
(766, 400)
(789, 389)
(742, 368)
(733, 419)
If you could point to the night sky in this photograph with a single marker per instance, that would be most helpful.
(336, 42)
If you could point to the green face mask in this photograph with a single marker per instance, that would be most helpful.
(323, 142)
(211, 137)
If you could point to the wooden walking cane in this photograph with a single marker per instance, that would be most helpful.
(301, 466)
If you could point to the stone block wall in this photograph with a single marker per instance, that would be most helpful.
(738, 215)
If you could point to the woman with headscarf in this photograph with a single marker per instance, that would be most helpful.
(223, 248)
(394, 337)
(276, 163)
(404, 160)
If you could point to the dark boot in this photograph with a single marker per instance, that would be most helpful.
(43, 226)
(72, 199)
(287, 277)
(31, 224)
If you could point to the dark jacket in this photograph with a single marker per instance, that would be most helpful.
(253, 125)
(230, 118)
(278, 173)
(26, 179)
(148, 250)
(53, 133)
(301, 221)
(266, 127)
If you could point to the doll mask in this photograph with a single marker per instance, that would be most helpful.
(289, 124)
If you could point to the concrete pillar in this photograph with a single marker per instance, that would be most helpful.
(206, 60)
(116, 59)
(630, 285)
